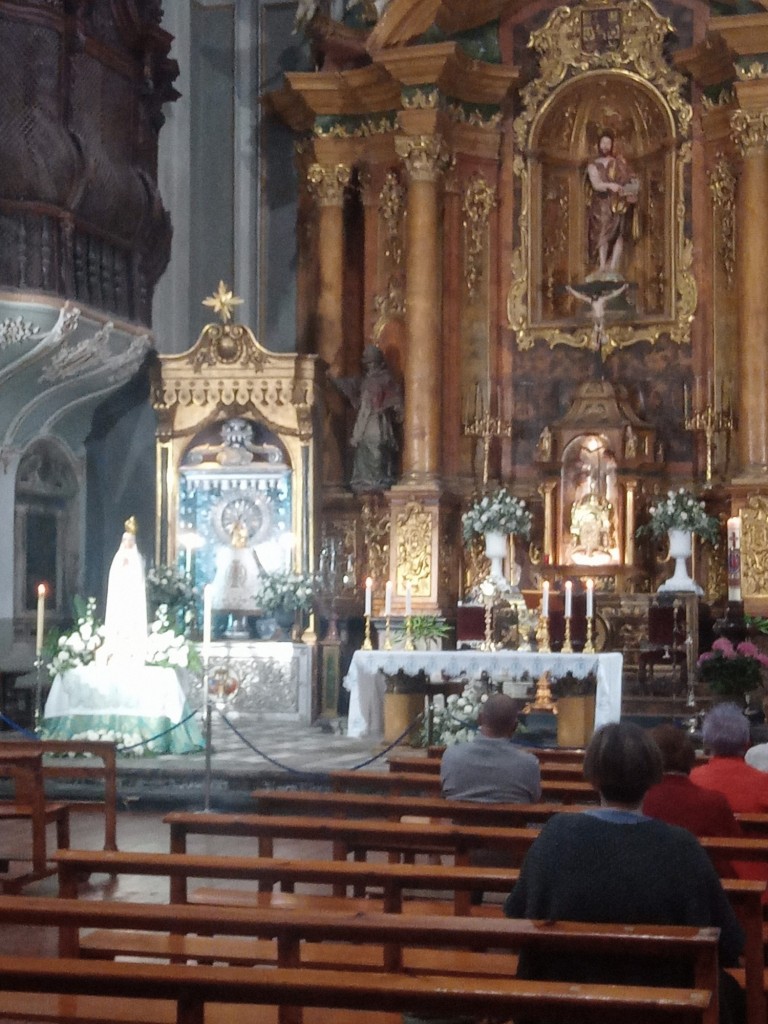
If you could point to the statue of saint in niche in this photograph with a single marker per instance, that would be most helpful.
(378, 398)
(592, 518)
(611, 217)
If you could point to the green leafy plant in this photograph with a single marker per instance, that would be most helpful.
(425, 627)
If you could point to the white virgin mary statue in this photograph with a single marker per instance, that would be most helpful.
(125, 618)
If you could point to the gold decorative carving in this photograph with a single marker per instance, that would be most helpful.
(716, 579)
(749, 72)
(362, 129)
(425, 156)
(479, 200)
(476, 564)
(754, 547)
(724, 98)
(388, 307)
(327, 183)
(597, 62)
(722, 185)
(422, 99)
(750, 131)
(375, 520)
(462, 114)
(391, 208)
(228, 344)
(414, 549)
(222, 302)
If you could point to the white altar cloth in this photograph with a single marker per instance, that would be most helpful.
(126, 702)
(366, 684)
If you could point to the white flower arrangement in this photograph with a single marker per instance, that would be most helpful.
(681, 510)
(456, 721)
(80, 646)
(499, 512)
(287, 591)
(165, 647)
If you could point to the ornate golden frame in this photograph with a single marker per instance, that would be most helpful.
(563, 60)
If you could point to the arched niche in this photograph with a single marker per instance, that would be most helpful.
(45, 528)
(591, 502)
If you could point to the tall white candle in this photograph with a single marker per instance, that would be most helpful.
(408, 598)
(545, 599)
(368, 595)
(568, 598)
(590, 599)
(733, 533)
(40, 618)
(388, 599)
(207, 618)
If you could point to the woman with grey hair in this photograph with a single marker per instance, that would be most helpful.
(613, 864)
(725, 734)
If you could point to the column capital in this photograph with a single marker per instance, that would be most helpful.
(326, 182)
(425, 157)
(749, 131)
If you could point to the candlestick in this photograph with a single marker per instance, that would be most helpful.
(40, 619)
(590, 598)
(568, 598)
(545, 599)
(367, 644)
(567, 647)
(388, 599)
(408, 599)
(207, 620)
(368, 595)
(542, 635)
(733, 532)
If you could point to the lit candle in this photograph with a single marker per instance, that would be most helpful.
(408, 597)
(388, 599)
(368, 595)
(545, 599)
(733, 532)
(207, 618)
(40, 619)
(590, 599)
(568, 598)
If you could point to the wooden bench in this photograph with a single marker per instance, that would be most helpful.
(25, 768)
(375, 942)
(91, 760)
(394, 807)
(345, 779)
(389, 882)
(550, 771)
(185, 994)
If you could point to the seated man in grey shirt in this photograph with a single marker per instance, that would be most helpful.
(490, 769)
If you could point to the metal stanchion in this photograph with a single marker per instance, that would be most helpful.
(208, 734)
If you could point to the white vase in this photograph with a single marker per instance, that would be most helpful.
(496, 548)
(680, 550)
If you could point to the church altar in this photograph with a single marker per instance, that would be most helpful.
(366, 684)
(125, 702)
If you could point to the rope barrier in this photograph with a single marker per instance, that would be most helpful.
(16, 727)
(159, 735)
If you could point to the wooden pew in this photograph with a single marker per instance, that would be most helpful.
(343, 780)
(93, 760)
(391, 882)
(394, 807)
(184, 994)
(394, 880)
(551, 771)
(25, 768)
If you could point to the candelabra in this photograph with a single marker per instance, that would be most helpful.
(542, 635)
(589, 643)
(485, 427)
(335, 579)
(567, 647)
(708, 419)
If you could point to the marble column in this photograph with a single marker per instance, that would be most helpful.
(327, 183)
(750, 132)
(425, 159)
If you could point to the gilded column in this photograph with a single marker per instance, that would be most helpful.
(425, 158)
(326, 182)
(750, 132)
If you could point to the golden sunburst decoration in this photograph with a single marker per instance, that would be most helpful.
(222, 301)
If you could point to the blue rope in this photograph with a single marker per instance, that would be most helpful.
(316, 774)
(158, 735)
(16, 727)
